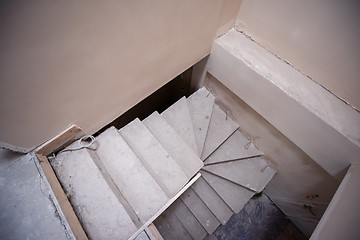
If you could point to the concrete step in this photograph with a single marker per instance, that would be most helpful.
(237, 146)
(188, 220)
(174, 144)
(253, 173)
(135, 183)
(212, 200)
(199, 209)
(234, 195)
(163, 168)
(170, 227)
(220, 128)
(142, 236)
(178, 116)
(200, 106)
(95, 204)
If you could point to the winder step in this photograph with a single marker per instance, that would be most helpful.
(200, 106)
(253, 173)
(220, 128)
(237, 146)
(178, 116)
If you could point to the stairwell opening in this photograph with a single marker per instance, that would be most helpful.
(277, 224)
(163, 98)
(160, 100)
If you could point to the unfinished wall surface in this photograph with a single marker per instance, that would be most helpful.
(294, 104)
(320, 38)
(299, 180)
(87, 63)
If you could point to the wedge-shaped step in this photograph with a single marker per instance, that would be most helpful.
(100, 212)
(201, 106)
(188, 220)
(234, 195)
(198, 208)
(220, 128)
(252, 173)
(155, 158)
(129, 174)
(173, 144)
(212, 200)
(178, 116)
(237, 146)
(170, 227)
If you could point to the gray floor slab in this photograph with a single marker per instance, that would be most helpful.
(27, 208)
(212, 200)
(234, 195)
(164, 169)
(220, 128)
(171, 228)
(237, 146)
(259, 219)
(201, 106)
(178, 116)
(188, 220)
(253, 173)
(135, 183)
(198, 208)
(99, 211)
(173, 144)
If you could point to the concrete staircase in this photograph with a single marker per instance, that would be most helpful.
(148, 171)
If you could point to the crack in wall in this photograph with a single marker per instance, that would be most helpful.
(304, 74)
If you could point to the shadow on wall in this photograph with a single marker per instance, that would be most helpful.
(160, 100)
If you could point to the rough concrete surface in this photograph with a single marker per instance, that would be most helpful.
(258, 220)
(27, 210)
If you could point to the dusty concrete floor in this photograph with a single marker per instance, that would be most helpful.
(27, 208)
(260, 219)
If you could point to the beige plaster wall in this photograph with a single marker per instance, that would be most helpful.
(87, 62)
(320, 38)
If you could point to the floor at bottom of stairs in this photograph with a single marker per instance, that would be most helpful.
(27, 205)
(260, 219)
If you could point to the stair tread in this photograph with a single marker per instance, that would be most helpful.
(212, 200)
(198, 208)
(130, 175)
(165, 170)
(200, 106)
(79, 177)
(142, 236)
(237, 146)
(170, 227)
(220, 128)
(174, 144)
(234, 195)
(188, 220)
(252, 173)
(178, 116)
